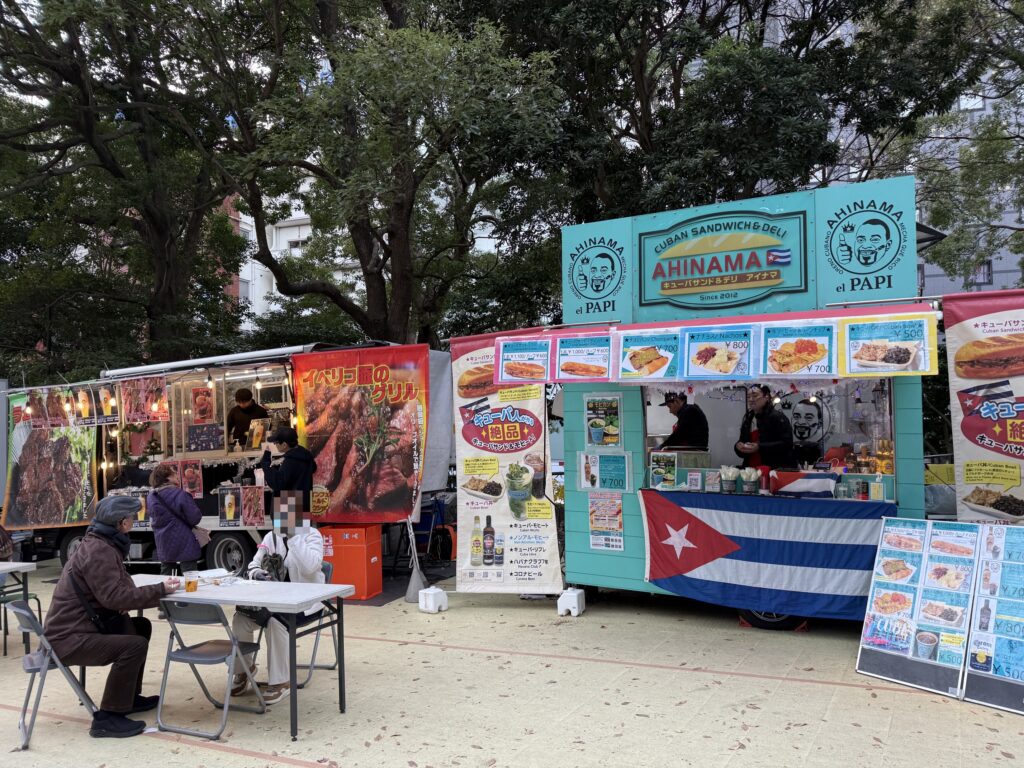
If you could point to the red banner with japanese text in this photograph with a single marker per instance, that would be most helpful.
(363, 415)
(985, 347)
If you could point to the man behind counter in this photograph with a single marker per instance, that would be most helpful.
(766, 437)
(691, 427)
(241, 416)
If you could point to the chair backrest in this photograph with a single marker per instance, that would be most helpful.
(328, 569)
(26, 619)
(193, 613)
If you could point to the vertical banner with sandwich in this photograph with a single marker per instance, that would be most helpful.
(508, 539)
(362, 413)
(985, 345)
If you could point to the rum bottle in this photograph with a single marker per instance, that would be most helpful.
(488, 543)
(499, 549)
(476, 543)
(985, 618)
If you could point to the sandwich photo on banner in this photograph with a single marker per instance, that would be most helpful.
(985, 344)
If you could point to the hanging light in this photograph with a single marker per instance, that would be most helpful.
(777, 400)
(209, 380)
(812, 399)
(154, 407)
(28, 409)
(112, 432)
(259, 384)
(295, 420)
(67, 407)
(103, 466)
(113, 401)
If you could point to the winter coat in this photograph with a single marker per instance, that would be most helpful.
(775, 438)
(294, 473)
(690, 430)
(99, 569)
(174, 514)
(303, 553)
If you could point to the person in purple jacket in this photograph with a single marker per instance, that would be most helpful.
(173, 514)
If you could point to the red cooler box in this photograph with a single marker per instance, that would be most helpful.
(354, 551)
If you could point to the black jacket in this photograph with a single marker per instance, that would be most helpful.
(294, 473)
(775, 438)
(240, 418)
(691, 430)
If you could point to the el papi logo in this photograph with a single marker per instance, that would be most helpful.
(597, 272)
(865, 241)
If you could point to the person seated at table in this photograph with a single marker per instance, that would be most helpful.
(295, 547)
(88, 623)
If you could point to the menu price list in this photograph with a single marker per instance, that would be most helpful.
(916, 628)
(995, 667)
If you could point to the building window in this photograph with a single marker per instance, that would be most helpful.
(243, 290)
(298, 245)
(971, 102)
(983, 274)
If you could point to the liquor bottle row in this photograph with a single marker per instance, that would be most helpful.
(486, 547)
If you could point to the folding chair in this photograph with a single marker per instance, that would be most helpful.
(328, 571)
(39, 663)
(206, 653)
(9, 593)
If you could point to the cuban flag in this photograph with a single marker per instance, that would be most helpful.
(804, 484)
(805, 557)
(779, 256)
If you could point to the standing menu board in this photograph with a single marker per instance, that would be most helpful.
(995, 666)
(916, 627)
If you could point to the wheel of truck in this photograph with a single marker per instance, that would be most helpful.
(230, 551)
(766, 620)
(69, 543)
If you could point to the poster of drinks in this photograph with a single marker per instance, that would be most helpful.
(503, 474)
(603, 421)
(985, 345)
(229, 505)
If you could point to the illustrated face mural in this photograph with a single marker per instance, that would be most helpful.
(602, 270)
(807, 422)
(872, 242)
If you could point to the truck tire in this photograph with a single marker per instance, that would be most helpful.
(765, 620)
(230, 551)
(69, 543)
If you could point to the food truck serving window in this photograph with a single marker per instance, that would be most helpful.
(847, 425)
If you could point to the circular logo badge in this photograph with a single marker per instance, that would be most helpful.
(866, 242)
(596, 273)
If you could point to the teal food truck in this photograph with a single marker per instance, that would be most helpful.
(784, 314)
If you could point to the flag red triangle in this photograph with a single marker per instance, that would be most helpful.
(679, 541)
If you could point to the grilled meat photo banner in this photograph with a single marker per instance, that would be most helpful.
(362, 413)
(985, 348)
(51, 475)
(508, 538)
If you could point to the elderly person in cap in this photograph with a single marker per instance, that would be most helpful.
(88, 623)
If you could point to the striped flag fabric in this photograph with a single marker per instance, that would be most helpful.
(779, 256)
(804, 557)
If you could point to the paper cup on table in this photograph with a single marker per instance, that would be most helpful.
(925, 644)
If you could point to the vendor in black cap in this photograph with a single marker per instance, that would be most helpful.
(295, 470)
(88, 622)
(691, 427)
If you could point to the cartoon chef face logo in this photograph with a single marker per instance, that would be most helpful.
(807, 421)
(866, 242)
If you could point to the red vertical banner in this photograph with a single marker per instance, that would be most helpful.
(363, 415)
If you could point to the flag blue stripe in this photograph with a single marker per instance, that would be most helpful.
(769, 505)
(769, 600)
(806, 554)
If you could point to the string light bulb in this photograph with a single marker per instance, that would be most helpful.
(154, 407)
(812, 399)
(28, 410)
(112, 433)
(103, 466)
(259, 385)
(113, 401)
(209, 380)
(67, 407)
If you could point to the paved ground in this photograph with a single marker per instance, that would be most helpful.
(498, 681)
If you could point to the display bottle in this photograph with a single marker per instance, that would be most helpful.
(985, 618)
(476, 543)
(586, 470)
(499, 549)
(488, 543)
(990, 541)
(986, 579)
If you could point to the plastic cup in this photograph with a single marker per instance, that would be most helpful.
(596, 431)
(925, 645)
(191, 581)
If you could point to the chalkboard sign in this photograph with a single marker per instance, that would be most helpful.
(205, 437)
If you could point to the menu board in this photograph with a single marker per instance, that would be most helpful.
(583, 358)
(717, 353)
(603, 415)
(915, 630)
(522, 361)
(995, 667)
(894, 345)
(606, 521)
(229, 505)
(604, 472)
(664, 469)
(648, 356)
(204, 437)
(142, 519)
(805, 350)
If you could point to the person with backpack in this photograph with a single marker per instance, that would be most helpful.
(292, 551)
(173, 514)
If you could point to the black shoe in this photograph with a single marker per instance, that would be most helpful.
(144, 704)
(113, 725)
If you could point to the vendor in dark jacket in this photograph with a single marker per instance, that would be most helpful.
(241, 416)
(97, 570)
(173, 514)
(295, 470)
(691, 427)
(766, 436)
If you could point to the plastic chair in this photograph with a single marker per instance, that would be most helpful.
(206, 653)
(328, 570)
(10, 593)
(39, 663)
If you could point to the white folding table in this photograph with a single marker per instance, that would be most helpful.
(16, 568)
(286, 598)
